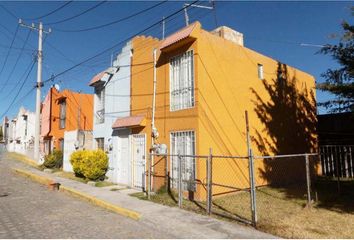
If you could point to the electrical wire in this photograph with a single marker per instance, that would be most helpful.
(15, 65)
(50, 13)
(19, 90)
(121, 42)
(113, 22)
(9, 50)
(9, 12)
(78, 15)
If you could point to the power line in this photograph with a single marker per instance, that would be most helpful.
(121, 42)
(19, 90)
(9, 12)
(78, 15)
(50, 13)
(8, 52)
(17, 60)
(114, 22)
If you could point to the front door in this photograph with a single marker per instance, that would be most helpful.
(138, 155)
(123, 157)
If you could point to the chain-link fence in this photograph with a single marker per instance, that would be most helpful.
(249, 189)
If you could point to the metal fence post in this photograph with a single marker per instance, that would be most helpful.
(149, 177)
(308, 180)
(179, 181)
(251, 174)
(167, 182)
(253, 189)
(209, 181)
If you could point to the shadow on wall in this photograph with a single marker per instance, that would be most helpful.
(289, 127)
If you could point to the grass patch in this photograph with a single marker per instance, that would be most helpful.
(282, 211)
(104, 184)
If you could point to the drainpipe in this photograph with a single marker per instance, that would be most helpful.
(153, 129)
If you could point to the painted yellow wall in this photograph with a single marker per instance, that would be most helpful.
(229, 86)
(226, 84)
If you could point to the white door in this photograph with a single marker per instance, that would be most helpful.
(139, 156)
(124, 161)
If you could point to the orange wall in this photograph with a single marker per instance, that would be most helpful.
(73, 101)
(226, 84)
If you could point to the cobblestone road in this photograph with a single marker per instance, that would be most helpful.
(30, 210)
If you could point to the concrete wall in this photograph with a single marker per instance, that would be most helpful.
(73, 141)
(117, 104)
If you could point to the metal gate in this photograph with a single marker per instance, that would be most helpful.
(337, 160)
(138, 156)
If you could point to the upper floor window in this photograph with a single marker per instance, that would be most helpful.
(182, 81)
(260, 71)
(100, 93)
(62, 113)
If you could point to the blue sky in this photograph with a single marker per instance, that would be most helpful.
(275, 29)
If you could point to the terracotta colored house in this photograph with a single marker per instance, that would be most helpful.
(64, 111)
(205, 81)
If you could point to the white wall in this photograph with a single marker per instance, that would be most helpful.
(70, 140)
(117, 104)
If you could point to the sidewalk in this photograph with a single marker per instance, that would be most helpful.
(175, 221)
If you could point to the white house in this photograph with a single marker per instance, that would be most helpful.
(112, 101)
(21, 133)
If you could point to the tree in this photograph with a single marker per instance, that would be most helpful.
(340, 81)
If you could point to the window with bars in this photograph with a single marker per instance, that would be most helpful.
(183, 143)
(182, 81)
(100, 105)
(62, 113)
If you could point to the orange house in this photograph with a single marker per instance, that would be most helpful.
(205, 81)
(64, 111)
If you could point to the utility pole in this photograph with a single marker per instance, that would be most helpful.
(38, 85)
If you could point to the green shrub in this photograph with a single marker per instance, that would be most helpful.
(54, 160)
(90, 164)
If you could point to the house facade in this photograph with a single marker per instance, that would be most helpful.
(5, 130)
(205, 81)
(64, 111)
(20, 133)
(111, 101)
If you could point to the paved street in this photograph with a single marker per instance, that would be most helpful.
(30, 210)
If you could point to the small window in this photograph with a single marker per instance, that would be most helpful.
(100, 143)
(61, 144)
(100, 93)
(62, 114)
(260, 71)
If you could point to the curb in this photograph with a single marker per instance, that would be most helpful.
(24, 159)
(34, 177)
(48, 181)
(120, 210)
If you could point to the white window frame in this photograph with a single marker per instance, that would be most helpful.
(174, 159)
(101, 99)
(182, 97)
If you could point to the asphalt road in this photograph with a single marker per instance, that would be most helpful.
(30, 210)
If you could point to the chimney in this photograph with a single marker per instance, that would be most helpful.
(229, 34)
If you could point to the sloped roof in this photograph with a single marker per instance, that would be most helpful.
(179, 36)
(97, 78)
(130, 122)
